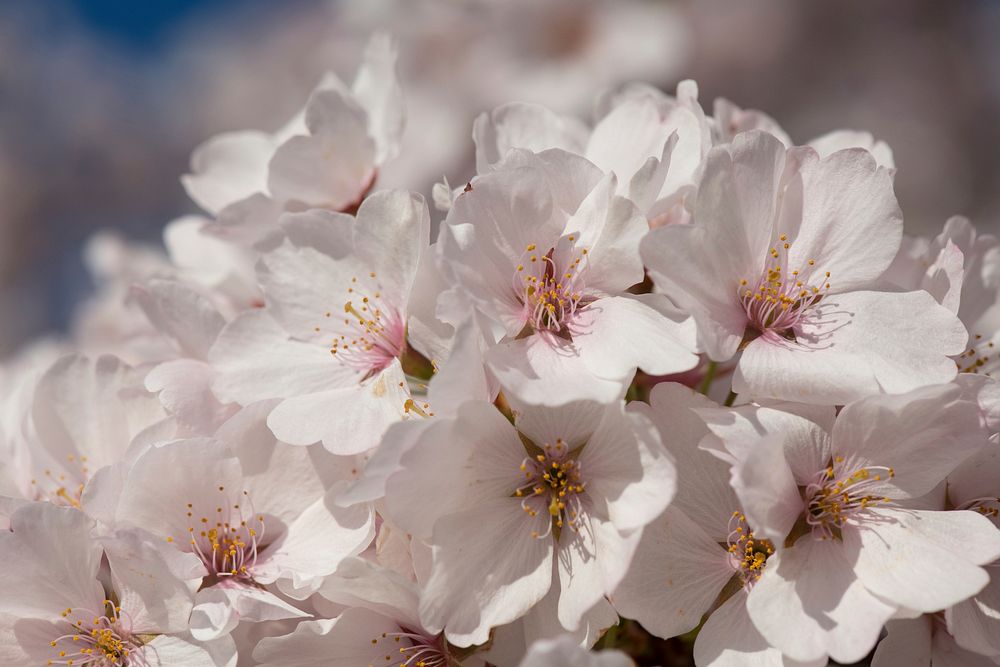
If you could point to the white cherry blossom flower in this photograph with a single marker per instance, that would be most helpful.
(702, 556)
(557, 501)
(833, 503)
(330, 341)
(255, 512)
(543, 247)
(381, 626)
(781, 262)
(87, 414)
(55, 610)
(328, 155)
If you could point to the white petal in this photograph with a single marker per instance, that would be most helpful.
(257, 360)
(925, 561)
(170, 650)
(621, 333)
(545, 370)
(856, 344)
(676, 573)
(922, 435)
(847, 220)
(521, 125)
(908, 643)
(809, 604)
(335, 165)
(349, 420)
(228, 167)
(50, 562)
(729, 639)
(376, 87)
(488, 570)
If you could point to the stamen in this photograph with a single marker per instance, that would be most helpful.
(832, 500)
(747, 554)
(780, 298)
(552, 487)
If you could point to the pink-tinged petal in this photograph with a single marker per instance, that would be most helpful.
(315, 542)
(676, 573)
(703, 490)
(422, 492)
(922, 435)
(628, 470)
(924, 561)
(488, 570)
(491, 228)
(50, 562)
(347, 421)
(610, 228)
(256, 360)
(184, 387)
(376, 88)
(385, 461)
(624, 139)
(334, 165)
(975, 623)
(943, 279)
(907, 643)
(621, 333)
(220, 608)
(700, 266)
(227, 168)
(353, 638)
(848, 221)
(155, 582)
(809, 604)
(839, 140)
(91, 408)
(521, 125)
(183, 314)
(590, 563)
(729, 639)
(155, 498)
(853, 345)
(947, 653)
(308, 271)
(170, 650)
(361, 583)
(767, 489)
(805, 428)
(564, 652)
(547, 370)
(391, 234)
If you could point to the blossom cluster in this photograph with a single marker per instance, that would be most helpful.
(665, 374)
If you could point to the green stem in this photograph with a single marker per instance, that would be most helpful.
(706, 382)
(730, 399)
(610, 638)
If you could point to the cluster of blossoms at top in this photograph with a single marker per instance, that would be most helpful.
(667, 367)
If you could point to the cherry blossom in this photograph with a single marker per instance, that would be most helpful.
(780, 265)
(543, 248)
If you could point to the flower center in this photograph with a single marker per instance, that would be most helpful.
(63, 488)
(747, 554)
(227, 537)
(979, 358)
(988, 506)
(780, 298)
(94, 638)
(551, 488)
(372, 332)
(832, 500)
(550, 290)
(409, 649)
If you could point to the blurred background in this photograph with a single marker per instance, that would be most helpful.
(102, 101)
